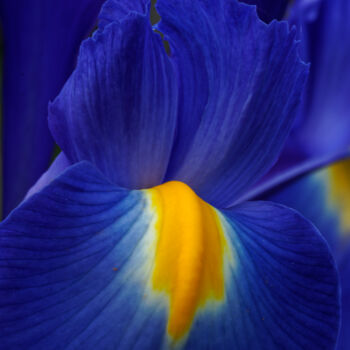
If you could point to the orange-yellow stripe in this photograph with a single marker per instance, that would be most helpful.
(189, 256)
(340, 192)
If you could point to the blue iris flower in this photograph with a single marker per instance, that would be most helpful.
(130, 240)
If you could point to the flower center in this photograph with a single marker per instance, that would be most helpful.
(189, 256)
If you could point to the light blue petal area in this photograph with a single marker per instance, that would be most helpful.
(118, 109)
(322, 196)
(324, 122)
(56, 168)
(240, 81)
(117, 10)
(41, 42)
(76, 261)
(73, 270)
(284, 284)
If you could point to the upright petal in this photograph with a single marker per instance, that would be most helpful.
(269, 10)
(119, 107)
(300, 13)
(41, 43)
(117, 10)
(85, 264)
(240, 81)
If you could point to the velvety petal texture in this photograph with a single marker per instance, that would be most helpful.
(285, 278)
(207, 115)
(117, 10)
(240, 81)
(269, 10)
(56, 168)
(41, 41)
(119, 107)
(322, 124)
(344, 273)
(323, 197)
(83, 266)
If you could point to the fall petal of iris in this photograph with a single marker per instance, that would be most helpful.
(86, 264)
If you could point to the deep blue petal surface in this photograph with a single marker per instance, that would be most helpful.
(117, 10)
(282, 268)
(323, 196)
(56, 168)
(269, 10)
(344, 274)
(119, 107)
(41, 43)
(76, 261)
(240, 82)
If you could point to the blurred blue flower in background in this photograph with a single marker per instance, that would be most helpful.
(41, 41)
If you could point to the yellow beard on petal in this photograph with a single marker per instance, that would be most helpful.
(340, 192)
(189, 254)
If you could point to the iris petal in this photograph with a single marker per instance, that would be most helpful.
(118, 109)
(41, 43)
(344, 273)
(322, 126)
(282, 261)
(269, 10)
(117, 10)
(239, 81)
(278, 176)
(56, 168)
(86, 264)
(323, 196)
